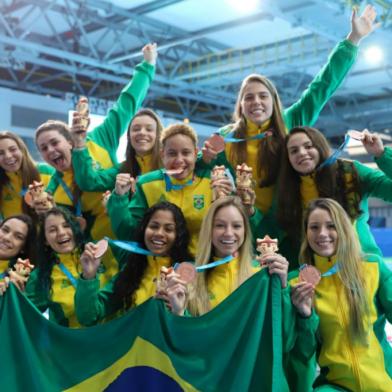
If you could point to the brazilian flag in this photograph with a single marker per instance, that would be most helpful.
(235, 347)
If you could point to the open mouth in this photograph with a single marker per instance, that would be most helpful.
(228, 242)
(173, 172)
(11, 162)
(64, 241)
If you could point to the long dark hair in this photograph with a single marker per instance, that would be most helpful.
(28, 169)
(29, 249)
(47, 256)
(270, 147)
(330, 182)
(130, 165)
(128, 280)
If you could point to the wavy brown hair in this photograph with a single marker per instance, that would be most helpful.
(130, 165)
(28, 170)
(270, 148)
(330, 182)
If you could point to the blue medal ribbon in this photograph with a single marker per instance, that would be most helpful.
(333, 270)
(176, 187)
(129, 246)
(334, 157)
(225, 260)
(70, 195)
(229, 138)
(68, 274)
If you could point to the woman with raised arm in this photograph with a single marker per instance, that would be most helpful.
(141, 155)
(162, 240)
(308, 172)
(17, 172)
(353, 299)
(55, 143)
(261, 121)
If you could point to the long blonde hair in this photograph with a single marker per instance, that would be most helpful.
(199, 302)
(351, 271)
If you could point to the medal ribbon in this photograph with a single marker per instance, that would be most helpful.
(333, 158)
(225, 260)
(176, 187)
(70, 195)
(2, 275)
(333, 270)
(68, 274)
(229, 138)
(129, 246)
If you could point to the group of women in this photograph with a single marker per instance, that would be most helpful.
(161, 212)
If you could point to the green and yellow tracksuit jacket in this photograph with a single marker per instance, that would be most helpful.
(193, 199)
(373, 183)
(13, 192)
(303, 112)
(93, 304)
(4, 265)
(344, 363)
(102, 144)
(91, 179)
(60, 300)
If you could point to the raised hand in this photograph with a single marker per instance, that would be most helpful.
(90, 263)
(150, 53)
(372, 143)
(79, 130)
(124, 183)
(363, 25)
(301, 297)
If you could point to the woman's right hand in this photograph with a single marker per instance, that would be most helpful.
(90, 263)
(124, 183)
(301, 297)
(176, 293)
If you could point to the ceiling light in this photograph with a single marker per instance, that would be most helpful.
(244, 6)
(374, 54)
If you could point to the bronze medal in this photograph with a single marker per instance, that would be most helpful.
(310, 274)
(187, 272)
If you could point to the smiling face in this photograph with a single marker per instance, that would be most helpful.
(160, 233)
(13, 234)
(179, 152)
(256, 102)
(55, 150)
(228, 231)
(11, 155)
(303, 155)
(59, 234)
(321, 233)
(143, 134)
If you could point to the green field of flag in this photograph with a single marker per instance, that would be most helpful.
(235, 347)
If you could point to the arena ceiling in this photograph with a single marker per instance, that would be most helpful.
(206, 47)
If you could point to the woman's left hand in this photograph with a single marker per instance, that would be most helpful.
(372, 143)
(277, 264)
